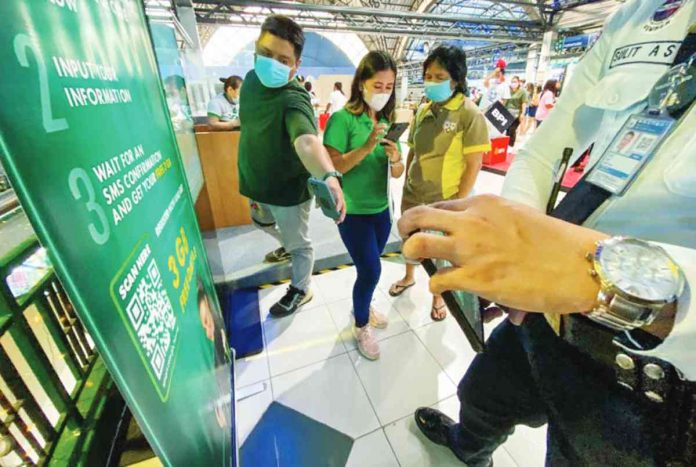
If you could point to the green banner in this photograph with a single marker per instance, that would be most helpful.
(87, 142)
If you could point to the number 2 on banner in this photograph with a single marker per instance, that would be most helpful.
(22, 42)
(100, 234)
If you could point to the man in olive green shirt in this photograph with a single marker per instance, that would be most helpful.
(279, 150)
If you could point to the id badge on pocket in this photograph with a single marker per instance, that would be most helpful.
(629, 151)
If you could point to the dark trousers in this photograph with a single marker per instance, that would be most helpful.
(512, 131)
(530, 376)
(365, 237)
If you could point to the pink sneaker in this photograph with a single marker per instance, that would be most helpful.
(367, 343)
(377, 319)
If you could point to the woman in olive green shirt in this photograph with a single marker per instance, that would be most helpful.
(354, 140)
(516, 105)
(447, 141)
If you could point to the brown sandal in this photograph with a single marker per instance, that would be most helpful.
(397, 289)
(436, 309)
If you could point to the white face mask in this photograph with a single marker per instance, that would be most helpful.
(376, 101)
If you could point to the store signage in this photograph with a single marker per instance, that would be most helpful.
(86, 140)
(576, 42)
(499, 116)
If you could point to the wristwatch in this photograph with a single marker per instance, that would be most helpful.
(637, 281)
(334, 173)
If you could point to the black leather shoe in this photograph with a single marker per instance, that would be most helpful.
(434, 424)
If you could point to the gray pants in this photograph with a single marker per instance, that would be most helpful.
(290, 226)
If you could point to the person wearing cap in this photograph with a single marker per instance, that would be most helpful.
(600, 340)
(496, 87)
(223, 109)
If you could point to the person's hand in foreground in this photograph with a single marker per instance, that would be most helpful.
(505, 252)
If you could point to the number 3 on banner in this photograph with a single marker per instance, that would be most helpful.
(22, 42)
(99, 235)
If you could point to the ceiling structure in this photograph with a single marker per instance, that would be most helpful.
(403, 27)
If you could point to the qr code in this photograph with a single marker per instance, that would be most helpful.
(152, 316)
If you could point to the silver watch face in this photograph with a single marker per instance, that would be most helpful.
(640, 269)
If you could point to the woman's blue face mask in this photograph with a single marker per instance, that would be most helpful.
(438, 92)
(271, 73)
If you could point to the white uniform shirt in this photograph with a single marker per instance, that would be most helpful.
(497, 90)
(337, 101)
(612, 82)
(315, 103)
(222, 108)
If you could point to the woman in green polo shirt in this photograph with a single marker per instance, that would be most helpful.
(354, 140)
(447, 142)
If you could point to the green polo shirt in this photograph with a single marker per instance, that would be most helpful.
(270, 171)
(365, 185)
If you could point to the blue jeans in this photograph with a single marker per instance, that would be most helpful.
(529, 376)
(365, 237)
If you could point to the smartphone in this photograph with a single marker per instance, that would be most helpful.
(395, 131)
(465, 309)
(325, 198)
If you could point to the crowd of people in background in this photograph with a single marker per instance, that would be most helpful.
(280, 149)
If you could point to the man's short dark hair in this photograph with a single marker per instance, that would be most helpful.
(285, 28)
(308, 86)
(233, 82)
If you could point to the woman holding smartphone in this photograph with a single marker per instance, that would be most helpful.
(354, 139)
(447, 142)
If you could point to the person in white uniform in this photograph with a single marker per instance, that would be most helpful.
(612, 368)
(337, 100)
(496, 87)
(223, 109)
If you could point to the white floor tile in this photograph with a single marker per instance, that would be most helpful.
(250, 410)
(372, 450)
(252, 369)
(394, 269)
(448, 344)
(329, 392)
(337, 285)
(268, 297)
(449, 407)
(404, 378)
(413, 449)
(502, 458)
(298, 340)
(342, 314)
(414, 305)
(527, 446)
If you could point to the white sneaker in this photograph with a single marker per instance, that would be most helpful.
(367, 343)
(377, 319)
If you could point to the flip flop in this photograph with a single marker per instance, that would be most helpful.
(436, 309)
(397, 289)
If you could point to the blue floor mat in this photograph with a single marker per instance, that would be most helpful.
(286, 438)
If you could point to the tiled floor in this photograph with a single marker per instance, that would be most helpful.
(310, 365)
